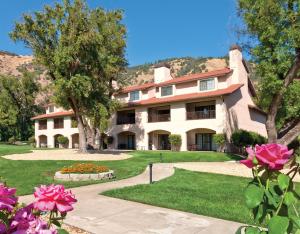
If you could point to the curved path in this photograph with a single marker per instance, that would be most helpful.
(100, 214)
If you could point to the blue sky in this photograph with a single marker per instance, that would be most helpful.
(157, 29)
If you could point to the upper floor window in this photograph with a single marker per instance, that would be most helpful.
(58, 123)
(134, 95)
(51, 109)
(126, 117)
(42, 124)
(74, 123)
(208, 84)
(166, 91)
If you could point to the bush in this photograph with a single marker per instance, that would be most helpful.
(84, 168)
(175, 141)
(109, 140)
(243, 138)
(220, 140)
(12, 140)
(63, 140)
(31, 140)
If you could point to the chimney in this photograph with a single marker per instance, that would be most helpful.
(162, 72)
(236, 64)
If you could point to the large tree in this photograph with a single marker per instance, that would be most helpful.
(18, 105)
(83, 52)
(273, 30)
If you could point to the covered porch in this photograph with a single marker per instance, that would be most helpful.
(126, 140)
(200, 139)
(159, 140)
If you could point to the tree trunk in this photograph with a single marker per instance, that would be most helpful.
(291, 135)
(82, 136)
(271, 129)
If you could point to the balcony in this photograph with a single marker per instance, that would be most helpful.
(125, 117)
(159, 114)
(42, 124)
(201, 110)
(58, 123)
(210, 114)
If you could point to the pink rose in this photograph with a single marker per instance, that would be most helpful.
(273, 155)
(2, 228)
(53, 198)
(7, 198)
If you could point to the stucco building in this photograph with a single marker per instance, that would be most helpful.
(195, 106)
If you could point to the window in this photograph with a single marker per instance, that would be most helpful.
(42, 124)
(58, 123)
(166, 91)
(51, 109)
(134, 95)
(126, 117)
(208, 84)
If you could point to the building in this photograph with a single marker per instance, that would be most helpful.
(195, 106)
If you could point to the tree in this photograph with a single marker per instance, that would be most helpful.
(273, 30)
(18, 105)
(175, 141)
(83, 52)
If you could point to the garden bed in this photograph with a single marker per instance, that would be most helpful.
(84, 177)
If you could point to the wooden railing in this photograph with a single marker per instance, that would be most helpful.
(210, 114)
(159, 118)
(42, 126)
(125, 120)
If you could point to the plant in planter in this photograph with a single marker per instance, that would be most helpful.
(271, 195)
(220, 140)
(63, 141)
(44, 215)
(175, 141)
(109, 140)
(31, 141)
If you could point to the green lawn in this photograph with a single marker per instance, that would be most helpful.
(25, 175)
(215, 195)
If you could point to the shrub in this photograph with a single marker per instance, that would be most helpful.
(242, 138)
(84, 168)
(31, 140)
(12, 140)
(109, 140)
(220, 140)
(175, 141)
(63, 140)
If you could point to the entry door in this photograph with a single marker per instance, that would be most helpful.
(131, 141)
(203, 141)
(163, 140)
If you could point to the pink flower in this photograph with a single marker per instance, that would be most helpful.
(53, 198)
(249, 161)
(2, 228)
(273, 155)
(7, 198)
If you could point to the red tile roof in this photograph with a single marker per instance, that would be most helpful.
(182, 79)
(189, 96)
(53, 115)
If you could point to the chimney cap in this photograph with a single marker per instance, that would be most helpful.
(236, 47)
(163, 64)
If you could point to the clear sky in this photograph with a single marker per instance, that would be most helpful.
(157, 29)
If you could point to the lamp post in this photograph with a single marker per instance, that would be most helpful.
(150, 172)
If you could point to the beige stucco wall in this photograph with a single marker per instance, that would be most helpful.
(50, 132)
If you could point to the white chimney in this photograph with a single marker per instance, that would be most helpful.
(236, 64)
(162, 73)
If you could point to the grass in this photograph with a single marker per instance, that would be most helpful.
(25, 175)
(215, 195)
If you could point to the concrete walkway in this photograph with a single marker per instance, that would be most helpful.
(99, 214)
(69, 154)
(226, 168)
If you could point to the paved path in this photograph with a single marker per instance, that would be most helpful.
(69, 154)
(227, 168)
(99, 214)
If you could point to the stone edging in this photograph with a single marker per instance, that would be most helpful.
(84, 177)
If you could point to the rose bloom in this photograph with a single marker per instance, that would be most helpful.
(7, 198)
(2, 228)
(273, 156)
(53, 198)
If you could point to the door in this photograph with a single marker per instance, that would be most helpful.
(204, 141)
(131, 141)
(163, 140)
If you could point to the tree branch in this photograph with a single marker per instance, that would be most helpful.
(291, 135)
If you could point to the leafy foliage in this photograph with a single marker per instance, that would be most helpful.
(243, 138)
(175, 141)
(220, 140)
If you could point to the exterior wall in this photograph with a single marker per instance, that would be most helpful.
(162, 74)
(177, 125)
(50, 132)
(185, 88)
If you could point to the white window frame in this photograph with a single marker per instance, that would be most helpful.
(139, 97)
(172, 87)
(211, 78)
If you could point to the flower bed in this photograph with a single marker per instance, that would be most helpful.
(84, 172)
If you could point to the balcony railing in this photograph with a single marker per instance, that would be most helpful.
(42, 126)
(125, 120)
(210, 114)
(159, 118)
